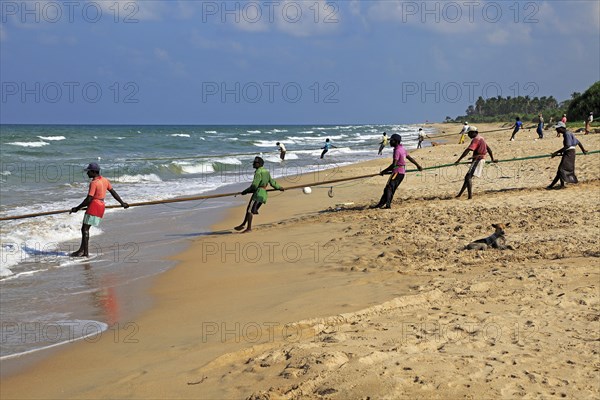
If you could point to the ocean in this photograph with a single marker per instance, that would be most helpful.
(49, 299)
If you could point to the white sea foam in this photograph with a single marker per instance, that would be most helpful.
(52, 137)
(187, 167)
(137, 178)
(253, 131)
(39, 240)
(180, 135)
(210, 131)
(229, 160)
(5, 173)
(29, 144)
(264, 143)
(5, 271)
(76, 330)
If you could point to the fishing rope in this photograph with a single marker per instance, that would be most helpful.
(314, 184)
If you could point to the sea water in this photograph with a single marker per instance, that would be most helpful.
(47, 298)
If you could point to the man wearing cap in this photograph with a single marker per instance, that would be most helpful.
(566, 168)
(262, 178)
(95, 206)
(463, 133)
(479, 148)
(397, 169)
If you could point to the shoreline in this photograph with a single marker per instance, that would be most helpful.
(255, 294)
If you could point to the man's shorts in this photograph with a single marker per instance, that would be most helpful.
(254, 206)
(91, 220)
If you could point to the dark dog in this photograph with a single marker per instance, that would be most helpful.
(496, 240)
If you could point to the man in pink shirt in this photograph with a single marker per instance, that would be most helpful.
(95, 206)
(397, 169)
(480, 149)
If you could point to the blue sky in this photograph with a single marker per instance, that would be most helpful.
(286, 62)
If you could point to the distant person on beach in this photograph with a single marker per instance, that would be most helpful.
(540, 126)
(282, 150)
(397, 169)
(566, 168)
(262, 178)
(95, 206)
(564, 121)
(422, 137)
(588, 122)
(382, 144)
(480, 149)
(326, 148)
(517, 126)
(463, 132)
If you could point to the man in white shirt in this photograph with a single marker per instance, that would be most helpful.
(282, 150)
(463, 133)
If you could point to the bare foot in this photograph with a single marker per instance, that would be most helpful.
(247, 231)
(78, 253)
(239, 227)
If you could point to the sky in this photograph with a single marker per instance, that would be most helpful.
(286, 62)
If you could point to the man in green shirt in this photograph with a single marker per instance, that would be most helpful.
(262, 178)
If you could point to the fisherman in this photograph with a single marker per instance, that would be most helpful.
(95, 206)
(282, 150)
(397, 171)
(326, 148)
(262, 178)
(422, 137)
(480, 149)
(566, 168)
(383, 143)
(463, 132)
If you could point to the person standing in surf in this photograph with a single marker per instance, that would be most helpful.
(282, 150)
(95, 206)
(262, 178)
(383, 143)
(326, 148)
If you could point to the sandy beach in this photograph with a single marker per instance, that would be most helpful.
(329, 299)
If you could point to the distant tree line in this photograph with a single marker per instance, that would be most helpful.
(500, 109)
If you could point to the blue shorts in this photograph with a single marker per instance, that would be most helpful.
(91, 220)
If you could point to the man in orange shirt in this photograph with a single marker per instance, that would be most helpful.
(95, 206)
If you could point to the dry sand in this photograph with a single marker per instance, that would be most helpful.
(327, 299)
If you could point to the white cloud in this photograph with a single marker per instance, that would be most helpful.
(295, 18)
(201, 42)
(163, 55)
(132, 10)
(498, 37)
(57, 40)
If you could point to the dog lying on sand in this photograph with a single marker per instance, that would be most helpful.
(495, 240)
